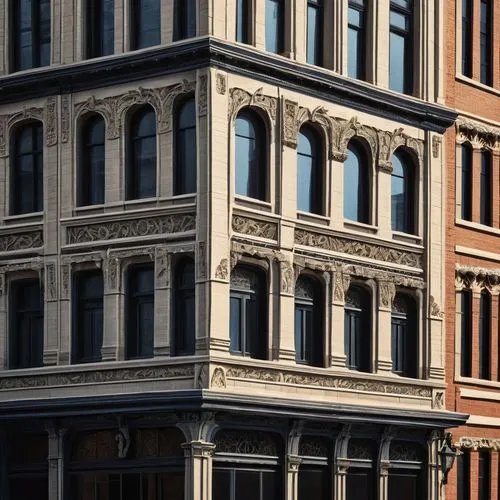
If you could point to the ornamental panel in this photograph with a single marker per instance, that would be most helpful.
(21, 241)
(261, 229)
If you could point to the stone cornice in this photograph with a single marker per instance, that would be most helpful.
(477, 278)
(477, 133)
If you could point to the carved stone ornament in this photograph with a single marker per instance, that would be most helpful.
(2, 283)
(108, 108)
(434, 307)
(239, 98)
(313, 446)
(202, 95)
(65, 118)
(150, 226)
(261, 229)
(112, 271)
(21, 241)
(480, 135)
(50, 281)
(222, 271)
(201, 259)
(405, 452)
(390, 141)
(438, 400)
(96, 377)
(290, 126)
(238, 250)
(287, 278)
(9, 121)
(436, 145)
(162, 267)
(246, 442)
(122, 439)
(359, 248)
(341, 283)
(387, 292)
(51, 122)
(475, 443)
(477, 278)
(218, 379)
(344, 130)
(65, 277)
(220, 84)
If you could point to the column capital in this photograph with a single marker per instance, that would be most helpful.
(198, 449)
(293, 463)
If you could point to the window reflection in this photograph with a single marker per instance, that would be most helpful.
(185, 148)
(356, 185)
(400, 47)
(356, 39)
(309, 171)
(402, 199)
(315, 32)
(274, 26)
(146, 16)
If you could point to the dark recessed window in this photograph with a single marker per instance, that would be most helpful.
(484, 476)
(243, 17)
(463, 475)
(185, 19)
(26, 324)
(91, 162)
(141, 155)
(88, 293)
(308, 322)
(309, 171)
(400, 47)
(356, 185)
(466, 181)
(140, 312)
(184, 309)
(466, 338)
(485, 335)
(315, 32)
(256, 485)
(275, 26)
(486, 45)
(146, 23)
(30, 34)
(357, 329)
(402, 193)
(485, 195)
(356, 39)
(248, 331)
(404, 336)
(100, 24)
(185, 148)
(250, 157)
(27, 170)
(467, 16)
(361, 479)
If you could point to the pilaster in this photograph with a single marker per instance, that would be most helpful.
(65, 278)
(341, 468)
(337, 192)
(495, 189)
(111, 345)
(386, 294)
(4, 341)
(476, 185)
(51, 314)
(340, 285)
(4, 39)
(384, 213)
(383, 489)
(167, 25)
(119, 26)
(494, 355)
(69, 32)
(292, 477)
(300, 39)
(114, 172)
(260, 24)
(56, 462)
(55, 34)
(163, 299)
(198, 470)
(476, 355)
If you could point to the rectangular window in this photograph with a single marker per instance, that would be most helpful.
(275, 26)
(243, 21)
(463, 476)
(398, 345)
(486, 48)
(185, 19)
(26, 324)
(313, 483)
(400, 47)
(467, 16)
(356, 39)
(88, 294)
(466, 338)
(466, 182)
(485, 194)
(360, 483)
(484, 335)
(315, 32)
(405, 484)
(484, 476)
(140, 312)
(241, 484)
(100, 28)
(145, 21)
(303, 332)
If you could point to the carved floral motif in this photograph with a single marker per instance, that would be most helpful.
(387, 292)
(65, 119)
(434, 307)
(246, 443)
(478, 134)
(51, 122)
(222, 271)
(218, 379)
(254, 227)
(50, 281)
(476, 278)
(21, 241)
(240, 98)
(202, 96)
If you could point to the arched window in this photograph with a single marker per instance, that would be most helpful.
(184, 322)
(357, 329)
(402, 193)
(308, 322)
(185, 19)
(356, 185)
(309, 171)
(404, 336)
(27, 170)
(141, 158)
(250, 157)
(145, 23)
(248, 318)
(185, 148)
(90, 189)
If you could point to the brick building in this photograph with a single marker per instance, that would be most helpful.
(473, 243)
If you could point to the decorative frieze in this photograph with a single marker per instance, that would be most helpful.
(239, 98)
(477, 443)
(65, 118)
(477, 279)
(252, 227)
(12, 242)
(136, 228)
(480, 135)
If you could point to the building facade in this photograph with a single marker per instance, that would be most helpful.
(473, 160)
(222, 249)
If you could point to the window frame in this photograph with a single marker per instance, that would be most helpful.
(361, 59)
(404, 338)
(486, 188)
(363, 193)
(135, 33)
(181, 182)
(484, 475)
(278, 28)
(486, 43)
(96, 29)
(316, 58)
(466, 181)
(463, 475)
(466, 333)
(183, 11)
(245, 9)
(407, 34)
(410, 184)
(467, 33)
(485, 325)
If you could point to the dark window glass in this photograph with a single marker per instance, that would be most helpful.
(243, 20)
(27, 170)
(485, 189)
(402, 189)
(360, 483)
(467, 16)
(275, 26)
(405, 484)
(140, 300)
(309, 171)
(88, 293)
(31, 34)
(404, 341)
(484, 335)
(250, 158)
(315, 32)
(400, 47)
(100, 28)
(484, 476)
(356, 48)
(236, 484)
(141, 157)
(26, 324)
(185, 19)
(466, 182)
(91, 168)
(356, 185)
(184, 309)
(463, 476)
(313, 483)
(357, 329)
(185, 148)
(248, 331)
(486, 46)
(146, 17)
(466, 340)
(308, 322)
